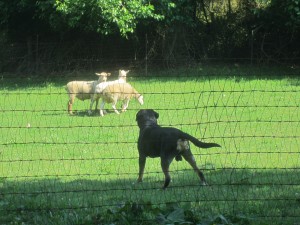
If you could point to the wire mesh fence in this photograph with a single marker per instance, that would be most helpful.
(56, 164)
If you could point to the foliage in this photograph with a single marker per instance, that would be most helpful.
(279, 14)
(276, 26)
(293, 11)
(104, 16)
(88, 15)
(177, 30)
(19, 17)
(176, 12)
(136, 213)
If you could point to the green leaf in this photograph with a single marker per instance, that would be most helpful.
(176, 216)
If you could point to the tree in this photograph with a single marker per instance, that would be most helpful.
(32, 20)
(102, 16)
(105, 16)
(278, 26)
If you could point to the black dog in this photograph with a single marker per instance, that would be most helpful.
(165, 142)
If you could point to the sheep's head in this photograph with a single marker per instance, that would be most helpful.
(102, 76)
(141, 99)
(123, 73)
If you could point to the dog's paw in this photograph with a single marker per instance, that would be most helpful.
(203, 183)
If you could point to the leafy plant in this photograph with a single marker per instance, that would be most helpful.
(104, 16)
(135, 213)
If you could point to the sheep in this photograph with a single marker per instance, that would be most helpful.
(83, 89)
(101, 86)
(121, 91)
(115, 92)
(123, 74)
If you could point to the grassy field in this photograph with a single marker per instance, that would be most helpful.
(61, 169)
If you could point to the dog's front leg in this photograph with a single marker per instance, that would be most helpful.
(142, 163)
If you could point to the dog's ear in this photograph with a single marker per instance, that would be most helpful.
(156, 114)
(138, 115)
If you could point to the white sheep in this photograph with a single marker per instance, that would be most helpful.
(119, 91)
(101, 86)
(83, 89)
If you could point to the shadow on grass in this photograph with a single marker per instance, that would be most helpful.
(95, 113)
(266, 195)
(201, 72)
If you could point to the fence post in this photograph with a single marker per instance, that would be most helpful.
(251, 54)
(146, 57)
(37, 54)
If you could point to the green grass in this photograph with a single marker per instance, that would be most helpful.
(68, 169)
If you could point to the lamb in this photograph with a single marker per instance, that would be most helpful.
(122, 91)
(101, 86)
(83, 89)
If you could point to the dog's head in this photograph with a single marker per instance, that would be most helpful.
(146, 117)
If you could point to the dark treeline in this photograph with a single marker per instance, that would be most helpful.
(47, 36)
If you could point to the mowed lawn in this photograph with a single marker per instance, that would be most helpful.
(56, 168)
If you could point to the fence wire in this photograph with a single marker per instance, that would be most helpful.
(53, 162)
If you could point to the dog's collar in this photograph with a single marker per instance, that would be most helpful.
(146, 127)
(148, 124)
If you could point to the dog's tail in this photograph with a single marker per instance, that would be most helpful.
(198, 143)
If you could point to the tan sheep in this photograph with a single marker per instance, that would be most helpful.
(83, 89)
(101, 86)
(115, 92)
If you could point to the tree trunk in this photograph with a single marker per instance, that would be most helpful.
(29, 53)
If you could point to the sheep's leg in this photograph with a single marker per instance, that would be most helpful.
(70, 104)
(125, 105)
(91, 106)
(102, 107)
(70, 107)
(97, 101)
(115, 108)
(94, 97)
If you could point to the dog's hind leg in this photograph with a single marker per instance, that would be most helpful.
(165, 164)
(142, 163)
(189, 157)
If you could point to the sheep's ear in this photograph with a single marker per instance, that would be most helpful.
(127, 71)
(108, 74)
(102, 74)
